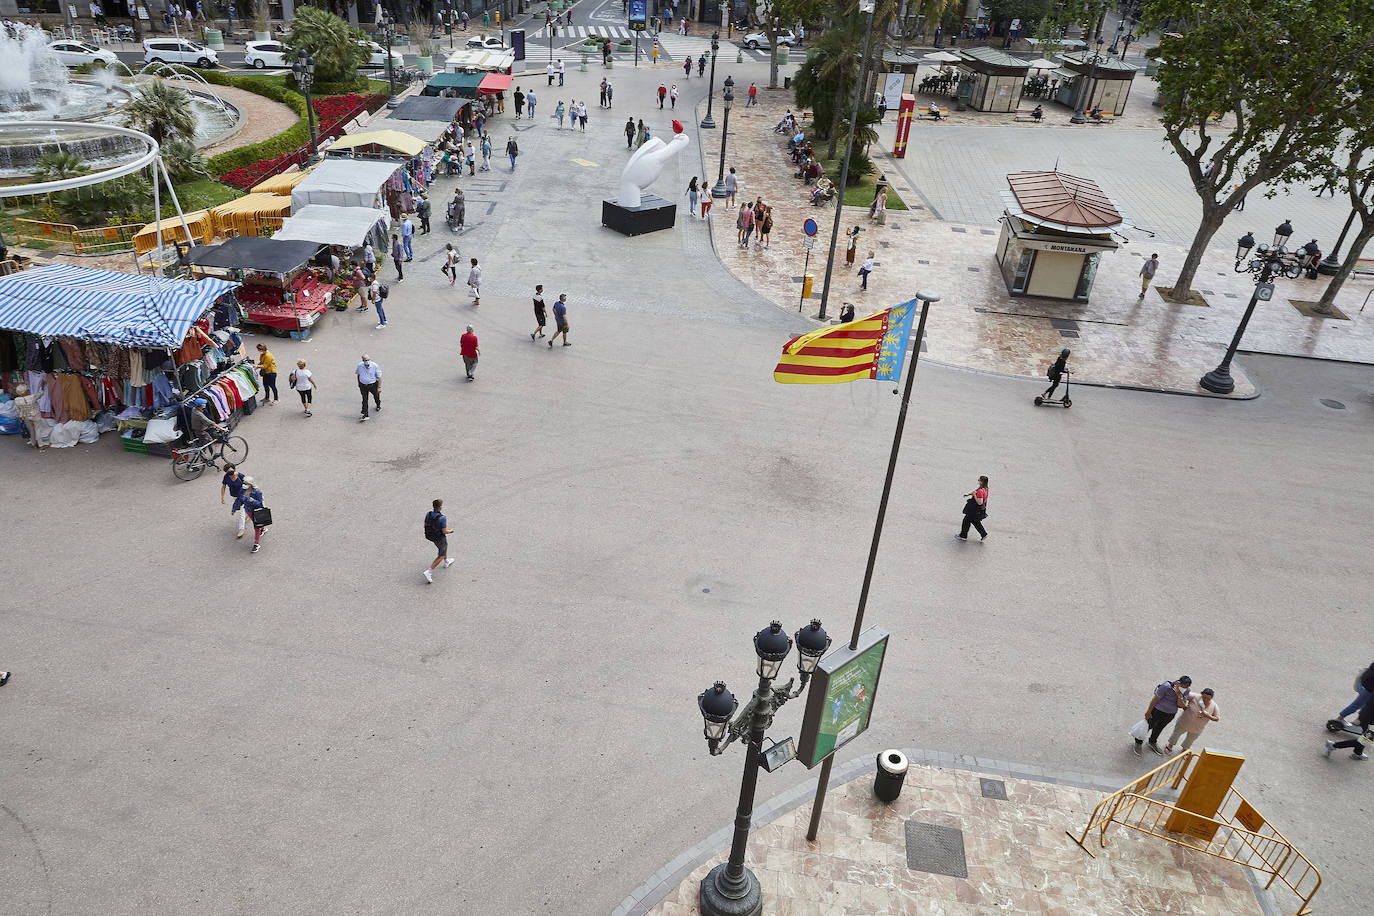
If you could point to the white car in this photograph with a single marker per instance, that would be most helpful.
(76, 53)
(261, 54)
(377, 56)
(178, 51)
(487, 43)
(755, 40)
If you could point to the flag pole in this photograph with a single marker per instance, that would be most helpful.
(823, 782)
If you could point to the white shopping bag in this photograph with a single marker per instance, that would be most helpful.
(1141, 730)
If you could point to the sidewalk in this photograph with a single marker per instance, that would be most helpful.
(872, 858)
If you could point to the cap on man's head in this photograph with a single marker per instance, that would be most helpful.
(1186, 681)
(199, 402)
(247, 479)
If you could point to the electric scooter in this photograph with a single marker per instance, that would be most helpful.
(1058, 402)
(1340, 725)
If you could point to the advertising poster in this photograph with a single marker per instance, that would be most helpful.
(638, 15)
(840, 702)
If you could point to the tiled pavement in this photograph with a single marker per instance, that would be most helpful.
(1018, 856)
(1118, 339)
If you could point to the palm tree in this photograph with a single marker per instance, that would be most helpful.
(335, 45)
(56, 166)
(162, 111)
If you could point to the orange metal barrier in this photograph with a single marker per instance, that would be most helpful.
(101, 240)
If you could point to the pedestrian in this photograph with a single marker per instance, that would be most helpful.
(30, 414)
(687, 69)
(369, 257)
(1359, 746)
(530, 101)
(464, 18)
(975, 505)
(437, 532)
(1056, 372)
(549, 71)
(692, 193)
(706, 200)
(450, 268)
(486, 19)
(731, 186)
(231, 484)
(560, 319)
(512, 150)
(1330, 184)
(1240, 204)
(519, 102)
(1364, 689)
(662, 94)
(467, 345)
(882, 108)
(867, 268)
(486, 153)
(1147, 273)
(1164, 704)
(582, 116)
(538, 312)
(423, 210)
(641, 134)
(475, 282)
(250, 502)
(458, 208)
(701, 65)
(560, 71)
(766, 227)
(397, 255)
(672, 95)
(369, 382)
(407, 235)
(753, 96)
(267, 369)
(472, 159)
(558, 113)
(1193, 718)
(629, 133)
(304, 384)
(602, 103)
(379, 293)
(610, 90)
(851, 244)
(745, 222)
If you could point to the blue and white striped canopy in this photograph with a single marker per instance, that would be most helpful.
(107, 306)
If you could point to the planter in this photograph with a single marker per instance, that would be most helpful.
(783, 55)
(425, 63)
(625, 46)
(262, 35)
(214, 39)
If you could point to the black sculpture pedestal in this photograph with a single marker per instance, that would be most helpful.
(652, 214)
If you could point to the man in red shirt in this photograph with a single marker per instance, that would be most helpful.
(662, 93)
(467, 345)
(753, 95)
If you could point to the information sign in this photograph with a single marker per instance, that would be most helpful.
(840, 702)
(638, 15)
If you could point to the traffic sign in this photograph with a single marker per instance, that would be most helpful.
(809, 242)
(809, 227)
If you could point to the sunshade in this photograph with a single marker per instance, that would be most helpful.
(495, 82)
(106, 306)
(428, 131)
(342, 226)
(942, 57)
(344, 183)
(200, 222)
(1041, 63)
(428, 108)
(390, 139)
(252, 253)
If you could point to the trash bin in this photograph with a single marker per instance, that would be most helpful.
(787, 82)
(806, 285)
(887, 784)
(214, 39)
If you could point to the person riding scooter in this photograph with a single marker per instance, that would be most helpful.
(1056, 373)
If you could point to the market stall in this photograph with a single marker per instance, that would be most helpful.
(251, 214)
(457, 85)
(378, 144)
(104, 350)
(427, 108)
(345, 183)
(284, 183)
(429, 132)
(476, 60)
(345, 230)
(285, 283)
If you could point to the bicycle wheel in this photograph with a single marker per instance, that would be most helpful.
(187, 464)
(234, 449)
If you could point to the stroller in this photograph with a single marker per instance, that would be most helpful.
(455, 214)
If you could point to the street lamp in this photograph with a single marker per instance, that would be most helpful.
(1087, 86)
(1269, 260)
(708, 122)
(1332, 264)
(731, 889)
(304, 68)
(727, 99)
(389, 33)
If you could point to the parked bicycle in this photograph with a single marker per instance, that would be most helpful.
(190, 461)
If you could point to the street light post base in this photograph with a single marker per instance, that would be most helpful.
(1078, 119)
(717, 899)
(707, 123)
(1218, 381)
(719, 190)
(1330, 266)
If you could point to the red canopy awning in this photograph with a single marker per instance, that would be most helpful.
(495, 82)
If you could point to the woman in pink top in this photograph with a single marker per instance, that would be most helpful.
(1191, 721)
(975, 510)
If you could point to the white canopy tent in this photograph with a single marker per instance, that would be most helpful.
(344, 183)
(345, 227)
(424, 131)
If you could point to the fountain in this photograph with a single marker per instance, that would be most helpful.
(34, 85)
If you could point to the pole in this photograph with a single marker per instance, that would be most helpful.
(1087, 89)
(719, 189)
(844, 167)
(926, 299)
(708, 123)
(1332, 263)
(1219, 380)
(802, 297)
(731, 883)
(636, 47)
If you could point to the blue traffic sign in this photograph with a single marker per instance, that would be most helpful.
(809, 227)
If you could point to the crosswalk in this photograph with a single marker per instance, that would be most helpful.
(581, 31)
(672, 46)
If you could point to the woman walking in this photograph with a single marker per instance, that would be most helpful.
(539, 320)
(706, 200)
(475, 282)
(765, 225)
(558, 113)
(303, 381)
(851, 245)
(267, 369)
(975, 510)
(692, 196)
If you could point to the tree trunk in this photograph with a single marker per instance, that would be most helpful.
(833, 149)
(1352, 255)
(1212, 218)
(773, 62)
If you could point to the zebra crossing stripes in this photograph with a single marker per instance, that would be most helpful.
(580, 31)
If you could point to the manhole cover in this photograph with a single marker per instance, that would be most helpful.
(1334, 405)
(934, 849)
(975, 270)
(993, 788)
(957, 229)
(922, 262)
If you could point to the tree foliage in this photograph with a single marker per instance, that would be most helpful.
(337, 47)
(779, 15)
(162, 111)
(1357, 171)
(1281, 69)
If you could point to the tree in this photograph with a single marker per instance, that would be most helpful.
(162, 111)
(1282, 69)
(1358, 173)
(825, 81)
(338, 48)
(56, 166)
(778, 15)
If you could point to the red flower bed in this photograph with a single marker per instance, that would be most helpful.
(332, 113)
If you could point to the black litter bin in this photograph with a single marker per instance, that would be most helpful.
(787, 82)
(892, 767)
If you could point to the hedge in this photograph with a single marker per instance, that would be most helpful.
(289, 140)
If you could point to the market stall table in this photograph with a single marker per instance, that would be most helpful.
(281, 290)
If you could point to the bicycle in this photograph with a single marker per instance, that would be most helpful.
(190, 461)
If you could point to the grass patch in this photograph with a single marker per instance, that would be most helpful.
(861, 194)
(204, 194)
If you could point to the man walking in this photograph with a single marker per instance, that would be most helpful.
(437, 532)
(866, 269)
(467, 345)
(672, 96)
(397, 255)
(731, 186)
(603, 94)
(629, 133)
(407, 234)
(379, 293)
(1147, 273)
(560, 319)
(549, 72)
(609, 93)
(512, 150)
(475, 282)
(450, 268)
(560, 71)
(1164, 704)
(423, 210)
(530, 101)
(232, 483)
(753, 96)
(662, 94)
(369, 382)
(1200, 710)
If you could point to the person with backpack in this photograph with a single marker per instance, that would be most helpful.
(437, 532)
(512, 150)
(250, 502)
(450, 268)
(975, 510)
(1056, 372)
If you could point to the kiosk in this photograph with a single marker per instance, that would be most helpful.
(1055, 230)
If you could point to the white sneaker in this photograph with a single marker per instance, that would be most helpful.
(449, 562)
(429, 577)
(380, 326)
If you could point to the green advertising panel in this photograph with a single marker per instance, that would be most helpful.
(840, 702)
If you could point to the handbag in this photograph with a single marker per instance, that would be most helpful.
(262, 517)
(972, 508)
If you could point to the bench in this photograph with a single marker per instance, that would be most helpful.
(1106, 117)
(1026, 114)
(1364, 269)
(924, 112)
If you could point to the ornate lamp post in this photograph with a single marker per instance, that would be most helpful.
(727, 99)
(304, 68)
(1268, 261)
(707, 123)
(389, 33)
(1078, 117)
(732, 889)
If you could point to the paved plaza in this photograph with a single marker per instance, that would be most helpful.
(191, 728)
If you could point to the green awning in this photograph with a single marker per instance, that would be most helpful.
(465, 84)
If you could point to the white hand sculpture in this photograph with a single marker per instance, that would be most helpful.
(644, 167)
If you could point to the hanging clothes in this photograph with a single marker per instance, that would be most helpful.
(74, 397)
(111, 392)
(162, 391)
(38, 385)
(130, 361)
(57, 397)
(92, 393)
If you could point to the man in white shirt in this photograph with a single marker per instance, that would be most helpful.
(369, 382)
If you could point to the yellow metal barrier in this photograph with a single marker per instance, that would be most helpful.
(35, 230)
(1237, 833)
(101, 240)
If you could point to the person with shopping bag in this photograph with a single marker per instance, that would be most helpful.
(251, 502)
(1164, 705)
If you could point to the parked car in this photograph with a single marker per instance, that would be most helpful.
(262, 54)
(487, 43)
(755, 40)
(76, 53)
(377, 56)
(178, 51)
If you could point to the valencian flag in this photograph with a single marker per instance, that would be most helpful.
(871, 347)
